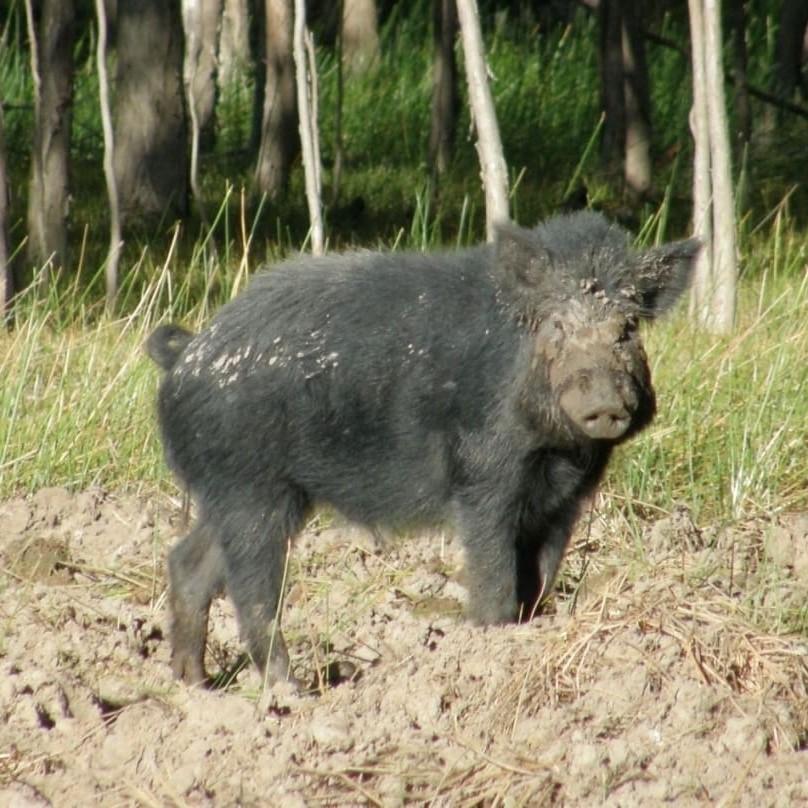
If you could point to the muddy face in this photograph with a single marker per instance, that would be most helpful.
(597, 370)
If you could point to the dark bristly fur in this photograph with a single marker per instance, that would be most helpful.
(489, 384)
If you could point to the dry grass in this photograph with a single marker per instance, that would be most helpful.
(679, 615)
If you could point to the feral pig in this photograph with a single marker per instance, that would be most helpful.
(489, 384)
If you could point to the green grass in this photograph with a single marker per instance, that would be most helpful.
(733, 412)
(732, 424)
(77, 405)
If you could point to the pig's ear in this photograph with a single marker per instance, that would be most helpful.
(523, 263)
(662, 274)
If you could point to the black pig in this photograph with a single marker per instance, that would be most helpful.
(489, 383)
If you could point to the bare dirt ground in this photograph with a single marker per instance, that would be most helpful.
(647, 680)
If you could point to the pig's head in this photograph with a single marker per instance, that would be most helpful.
(582, 292)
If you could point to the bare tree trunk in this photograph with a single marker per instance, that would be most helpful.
(625, 93)
(278, 131)
(339, 149)
(789, 48)
(445, 99)
(700, 295)
(360, 34)
(151, 129)
(306, 78)
(736, 15)
(201, 21)
(49, 189)
(234, 41)
(637, 100)
(6, 273)
(612, 86)
(714, 290)
(115, 241)
(725, 259)
(489, 144)
(743, 107)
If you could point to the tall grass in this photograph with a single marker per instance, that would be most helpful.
(740, 402)
(732, 425)
(729, 439)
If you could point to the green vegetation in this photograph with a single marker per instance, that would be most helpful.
(733, 413)
(77, 392)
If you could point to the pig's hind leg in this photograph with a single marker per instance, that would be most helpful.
(196, 576)
(256, 533)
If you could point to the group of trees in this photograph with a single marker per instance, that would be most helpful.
(171, 58)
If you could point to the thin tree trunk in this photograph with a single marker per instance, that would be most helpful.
(201, 22)
(445, 100)
(278, 136)
(306, 76)
(736, 14)
(714, 287)
(489, 144)
(360, 34)
(789, 48)
(115, 241)
(201, 19)
(49, 189)
(637, 100)
(743, 108)
(725, 262)
(700, 295)
(234, 42)
(625, 93)
(339, 149)
(612, 85)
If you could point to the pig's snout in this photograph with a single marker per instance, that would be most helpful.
(595, 404)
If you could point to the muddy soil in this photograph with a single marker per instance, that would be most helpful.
(647, 680)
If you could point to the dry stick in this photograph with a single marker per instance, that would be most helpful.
(305, 71)
(115, 242)
(489, 143)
